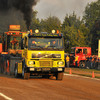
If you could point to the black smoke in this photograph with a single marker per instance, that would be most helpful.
(25, 6)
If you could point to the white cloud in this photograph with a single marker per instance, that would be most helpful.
(60, 8)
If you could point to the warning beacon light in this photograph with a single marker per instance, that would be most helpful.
(57, 31)
(31, 31)
(36, 31)
(53, 31)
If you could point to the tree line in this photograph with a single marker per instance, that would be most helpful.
(79, 32)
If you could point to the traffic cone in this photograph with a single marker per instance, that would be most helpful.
(70, 72)
(93, 74)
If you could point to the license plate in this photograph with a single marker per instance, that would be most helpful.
(45, 69)
(31, 69)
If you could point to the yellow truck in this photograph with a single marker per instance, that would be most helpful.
(42, 54)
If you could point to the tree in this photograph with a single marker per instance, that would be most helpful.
(52, 22)
(71, 20)
(91, 19)
(74, 31)
(35, 22)
(91, 13)
(95, 35)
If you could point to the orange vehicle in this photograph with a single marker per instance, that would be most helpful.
(10, 49)
(81, 53)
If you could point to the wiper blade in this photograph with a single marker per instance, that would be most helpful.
(39, 46)
(51, 46)
(36, 46)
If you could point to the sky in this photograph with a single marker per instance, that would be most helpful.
(60, 8)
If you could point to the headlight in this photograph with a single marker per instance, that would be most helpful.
(36, 31)
(60, 63)
(31, 62)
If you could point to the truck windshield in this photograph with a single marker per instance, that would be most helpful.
(45, 43)
(13, 42)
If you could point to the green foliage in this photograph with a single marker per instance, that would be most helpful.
(95, 35)
(35, 24)
(52, 22)
(92, 21)
(91, 13)
(74, 31)
(71, 20)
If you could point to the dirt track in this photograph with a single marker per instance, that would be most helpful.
(37, 88)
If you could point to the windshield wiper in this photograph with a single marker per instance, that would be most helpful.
(51, 46)
(36, 46)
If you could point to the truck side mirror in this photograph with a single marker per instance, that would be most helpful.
(67, 44)
(22, 44)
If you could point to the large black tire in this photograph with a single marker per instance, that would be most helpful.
(59, 76)
(25, 75)
(16, 73)
(82, 64)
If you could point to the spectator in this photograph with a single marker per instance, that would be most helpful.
(90, 58)
(95, 58)
(90, 61)
(87, 58)
(76, 59)
(96, 62)
(87, 62)
(67, 61)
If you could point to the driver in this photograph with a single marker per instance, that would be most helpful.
(53, 43)
(14, 41)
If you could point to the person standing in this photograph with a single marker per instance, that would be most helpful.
(91, 62)
(67, 61)
(76, 60)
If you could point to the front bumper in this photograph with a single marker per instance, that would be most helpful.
(44, 69)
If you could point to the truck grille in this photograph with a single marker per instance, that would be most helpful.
(46, 63)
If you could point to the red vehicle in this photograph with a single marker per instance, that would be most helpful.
(81, 53)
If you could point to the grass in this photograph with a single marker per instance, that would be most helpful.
(85, 70)
(83, 75)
